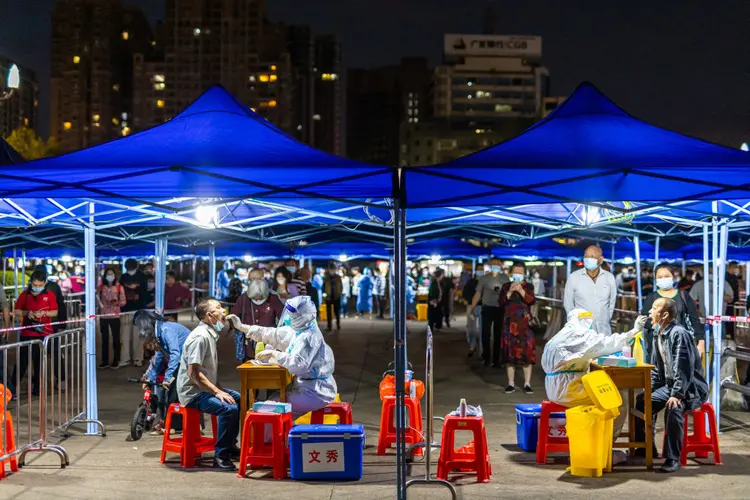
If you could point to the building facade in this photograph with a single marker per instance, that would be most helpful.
(93, 42)
(379, 100)
(22, 108)
(328, 96)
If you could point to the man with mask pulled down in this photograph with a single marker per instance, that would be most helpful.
(256, 307)
(300, 348)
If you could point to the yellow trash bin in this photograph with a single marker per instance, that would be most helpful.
(421, 312)
(590, 428)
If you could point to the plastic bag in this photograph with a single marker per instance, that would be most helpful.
(388, 387)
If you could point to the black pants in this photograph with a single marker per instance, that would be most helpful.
(674, 421)
(446, 307)
(435, 316)
(334, 309)
(492, 326)
(380, 299)
(110, 325)
(23, 364)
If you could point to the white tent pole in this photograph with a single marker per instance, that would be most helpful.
(473, 267)
(637, 246)
(716, 300)
(747, 281)
(92, 403)
(554, 282)
(706, 302)
(656, 256)
(722, 267)
(212, 291)
(160, 272)
(612, 262)
(195, 284)
(569, 266)
(15, 271)
(684, 265)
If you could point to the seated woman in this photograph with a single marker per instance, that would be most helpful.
(677, 381)
(300, 348)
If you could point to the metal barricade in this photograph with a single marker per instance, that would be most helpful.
(429, 434)
(741, 355)
(63, 389)
(74, 308)
(28, 406)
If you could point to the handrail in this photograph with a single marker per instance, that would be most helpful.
(428, 435)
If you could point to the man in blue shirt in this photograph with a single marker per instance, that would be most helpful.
(166, 339)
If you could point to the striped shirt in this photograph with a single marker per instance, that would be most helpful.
(300, 285)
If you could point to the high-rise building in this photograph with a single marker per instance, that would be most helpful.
(379, 100)
(301, 48)
(223, 42)
(21, 109)
(328, 105)
(93, 42)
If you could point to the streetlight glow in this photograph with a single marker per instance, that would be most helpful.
(206, 214)
(14, 77)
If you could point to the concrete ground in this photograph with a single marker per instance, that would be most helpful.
(114, 467)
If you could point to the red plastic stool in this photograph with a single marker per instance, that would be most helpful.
(546, 444)
(699, 442)
(388, 431)
(255, 453)
(342, 410)
(191, 444)
(7, 435)
(468, 458)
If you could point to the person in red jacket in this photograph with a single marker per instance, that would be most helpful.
(37, 308)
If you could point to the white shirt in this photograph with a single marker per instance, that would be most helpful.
(598, 297)
(346, 288)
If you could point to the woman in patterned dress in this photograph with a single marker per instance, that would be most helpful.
(517, 347)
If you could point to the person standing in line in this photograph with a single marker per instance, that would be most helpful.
(488, 293)
(332, 293)
(364, 294)
(435, 302)
(356, 278)
(592, 289)
(346, 291)
(198, 384)
(256, 307)
(446, 304)
(110, 297)
(473, 332)
(4, 308)
(222, 281)
(517, 346)
(150, 291)
(135, 284)
(379, 292)
(282, 287)
(540, 288)
(317, 282)
(36, 307)
(176, 296)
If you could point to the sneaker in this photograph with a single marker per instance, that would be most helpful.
(121, 364)
(510, 389)
(103, 366)
(527, 389)
(138, 363)
(471, 353)
(669, 466)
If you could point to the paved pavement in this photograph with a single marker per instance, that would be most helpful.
(113, 467)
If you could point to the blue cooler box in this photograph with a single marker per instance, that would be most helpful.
(326, 452)
(527, 425)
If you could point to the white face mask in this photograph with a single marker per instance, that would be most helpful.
(281, 281)
(132, 272)
(590, 264)
(664, 283)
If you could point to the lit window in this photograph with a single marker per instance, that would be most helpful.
(263, 78)
(299, 127)
(411, 112)
(470, 84)
(411, 120)
(503, 108)
(67, 125)
(116, 87)
(153, 43)
(411, 103)
(416, 119)
(273, 67)
(96, 118)
(272, 104)
(36, 103)
(273, 78)
(124, 116)
(125, 131)
(316, 117)
(26, 121)
(196, 32)
(76, 59)
(160, 103)
(115, 121)
(159, 86)
(96, 124)
(125, 35)
(159, 78)
(411, 94)
(251, 78)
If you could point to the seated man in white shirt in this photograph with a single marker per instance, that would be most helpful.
(592, 289)
(198, 386)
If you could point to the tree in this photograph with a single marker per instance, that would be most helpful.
(29, 145)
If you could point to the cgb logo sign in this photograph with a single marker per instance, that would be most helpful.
(493, 45)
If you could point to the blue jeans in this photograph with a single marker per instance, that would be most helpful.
(228, 419)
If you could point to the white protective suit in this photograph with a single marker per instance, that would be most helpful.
(299, 347)
(567, 356)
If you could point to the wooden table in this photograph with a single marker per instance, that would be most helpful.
(254, 377)
(631, 379)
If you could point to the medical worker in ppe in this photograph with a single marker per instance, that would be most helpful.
(567, 355)
(299, 347)
(364, 297)
(222, 281)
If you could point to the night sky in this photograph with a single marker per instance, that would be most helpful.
(680, 64)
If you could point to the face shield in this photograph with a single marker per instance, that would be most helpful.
(580, 318)
(299, 312)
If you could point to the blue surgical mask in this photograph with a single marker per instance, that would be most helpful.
(110, 279)
(258, 302)
(292, 269)
(590, 264)
(518, 277)
(496, 269)
(657, 327)
(665, 283)
(37, 289)
(219, 326)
